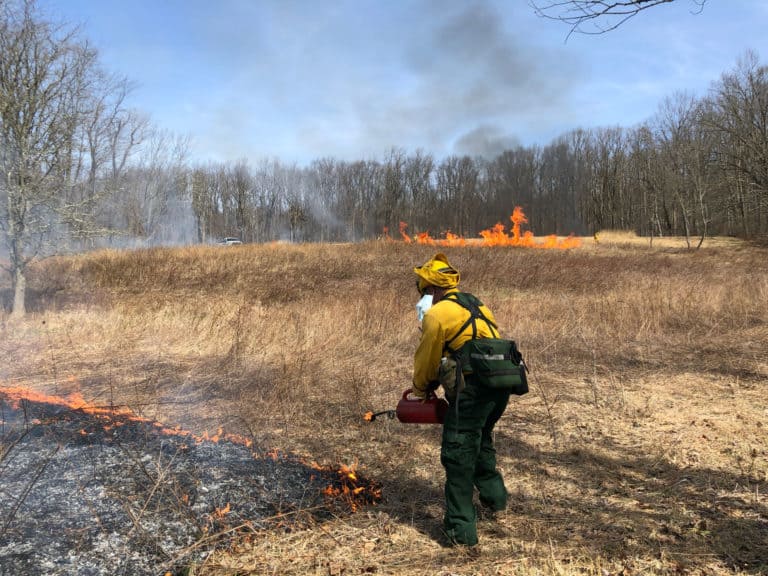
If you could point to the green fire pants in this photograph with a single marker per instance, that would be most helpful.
(469, 458)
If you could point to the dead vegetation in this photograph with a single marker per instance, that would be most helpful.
(639, 450)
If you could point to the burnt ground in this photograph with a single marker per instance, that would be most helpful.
(105, 493)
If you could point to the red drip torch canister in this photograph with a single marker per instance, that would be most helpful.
(418, 411)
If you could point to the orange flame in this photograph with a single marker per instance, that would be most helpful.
(494, 236)
(348, 479)
(221, 512)
(111, 416)
(453, 240)
(425, 238)
(349, 487)
(406, 238)
(368, 416)
(348, 471)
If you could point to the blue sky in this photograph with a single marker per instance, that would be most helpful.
(298, 80)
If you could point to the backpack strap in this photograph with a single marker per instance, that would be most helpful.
(471, 303)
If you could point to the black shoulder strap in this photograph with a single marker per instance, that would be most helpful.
(471, 303)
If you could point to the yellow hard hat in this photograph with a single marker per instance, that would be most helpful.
(437, 272)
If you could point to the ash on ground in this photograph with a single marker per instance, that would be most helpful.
(108, 494)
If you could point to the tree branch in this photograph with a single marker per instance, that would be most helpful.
(601, 15)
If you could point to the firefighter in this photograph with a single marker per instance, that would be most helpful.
(467, 452)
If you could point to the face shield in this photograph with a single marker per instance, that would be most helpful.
(423, 305)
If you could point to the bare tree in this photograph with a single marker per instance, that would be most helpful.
(349, 205)
(268, 194)
(203, 204)
(241, 185)
(457, 183)
(597, 16)
(48, 78)
(685, 152)
(154, 191)
(393, 189)
(739, 119)
(99, 159)
(417, 176)
(512, 178)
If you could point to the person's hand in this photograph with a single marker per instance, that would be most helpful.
(421, 394)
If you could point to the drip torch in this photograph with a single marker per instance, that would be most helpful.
(430, 410)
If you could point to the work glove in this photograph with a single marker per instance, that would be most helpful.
(447, 375)
(424, 394)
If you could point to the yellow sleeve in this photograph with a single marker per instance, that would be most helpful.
(488, 314)
(426, 362)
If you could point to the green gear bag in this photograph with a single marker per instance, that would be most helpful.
(490, 362)
(494, 363)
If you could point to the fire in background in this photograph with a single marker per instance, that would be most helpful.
(495, 236)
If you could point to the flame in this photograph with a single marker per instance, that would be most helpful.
(453, 240)
(221, 512)
(111, 417)
(368, 416)
(425, 238)
(215, 437)
(349, 488)
(349, 472)
(494, 236)
(406, 238)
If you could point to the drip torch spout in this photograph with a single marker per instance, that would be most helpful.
(371, 416)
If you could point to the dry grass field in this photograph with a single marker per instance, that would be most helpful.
(640, 449)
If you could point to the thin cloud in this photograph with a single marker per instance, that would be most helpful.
(459, 71)
(300, 80)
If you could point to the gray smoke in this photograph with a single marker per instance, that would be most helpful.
(485, 141)
(476, 83)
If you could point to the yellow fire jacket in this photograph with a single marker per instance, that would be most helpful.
(441, 323)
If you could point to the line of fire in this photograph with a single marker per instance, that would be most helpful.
(494, 236)
(348, 486)
(113, 476)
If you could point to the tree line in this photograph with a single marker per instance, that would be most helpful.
(698, 167)
(81, 169)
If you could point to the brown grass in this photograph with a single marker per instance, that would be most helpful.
(639, 450)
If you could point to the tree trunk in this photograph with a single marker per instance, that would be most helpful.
(19, 293)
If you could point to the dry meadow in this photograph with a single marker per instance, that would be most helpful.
(640, 449)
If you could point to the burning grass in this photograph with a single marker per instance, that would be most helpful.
(497, 235)
(639, 450)
(96, 489)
